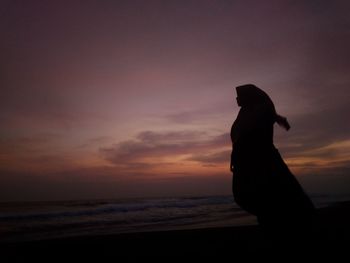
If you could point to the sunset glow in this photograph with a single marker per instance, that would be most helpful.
(112, 99)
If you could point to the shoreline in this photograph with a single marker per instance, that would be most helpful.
(331, 236)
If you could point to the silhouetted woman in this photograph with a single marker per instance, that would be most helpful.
(262, 183)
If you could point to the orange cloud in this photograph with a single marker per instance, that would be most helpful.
(331, 156)
(166, 153)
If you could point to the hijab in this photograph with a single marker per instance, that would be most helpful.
(250, 96)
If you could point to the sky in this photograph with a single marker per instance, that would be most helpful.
(119, 99)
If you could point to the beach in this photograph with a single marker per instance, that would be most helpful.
(331, 238)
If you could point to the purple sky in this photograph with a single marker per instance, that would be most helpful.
(104, 99)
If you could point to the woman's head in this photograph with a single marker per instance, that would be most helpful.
(249, 96)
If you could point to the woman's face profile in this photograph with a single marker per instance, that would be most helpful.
(238, 101)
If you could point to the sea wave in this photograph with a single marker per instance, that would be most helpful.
(101, 208)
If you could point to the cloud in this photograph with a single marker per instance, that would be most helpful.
(216, 111)
(212, 158)
(95, 141)
(313, 130)
(331, 156)
(150, 148)
(172, 137)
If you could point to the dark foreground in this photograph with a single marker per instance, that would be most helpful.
(330, 239)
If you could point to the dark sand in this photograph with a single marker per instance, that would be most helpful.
(330, 239)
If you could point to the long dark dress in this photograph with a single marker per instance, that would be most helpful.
(262, 183)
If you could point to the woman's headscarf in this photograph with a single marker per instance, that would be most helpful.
(249, 95)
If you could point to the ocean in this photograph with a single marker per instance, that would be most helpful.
(28, 221)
